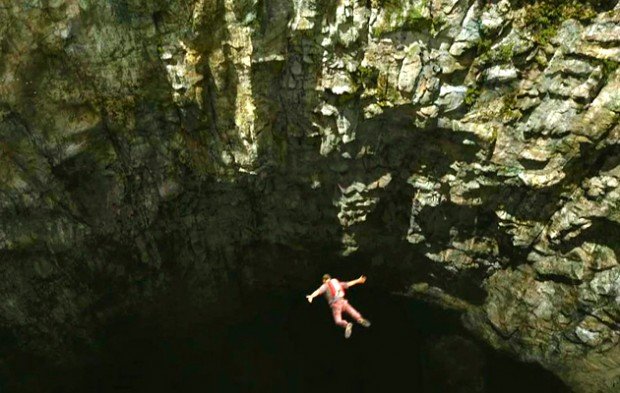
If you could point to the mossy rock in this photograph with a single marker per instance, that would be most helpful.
(543, 17)
(400, 15)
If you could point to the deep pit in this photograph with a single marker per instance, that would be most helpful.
(277, 342)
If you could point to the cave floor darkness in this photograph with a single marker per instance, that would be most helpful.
(280, 343)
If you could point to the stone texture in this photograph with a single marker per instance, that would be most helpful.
(151, 145)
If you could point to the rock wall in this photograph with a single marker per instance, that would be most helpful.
(471, 148)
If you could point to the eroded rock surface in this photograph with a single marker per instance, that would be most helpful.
(147, 143)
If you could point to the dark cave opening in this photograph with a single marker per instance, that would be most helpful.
(279, 342)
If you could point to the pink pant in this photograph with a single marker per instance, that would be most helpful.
(343, 305)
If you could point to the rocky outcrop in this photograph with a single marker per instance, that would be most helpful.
(465, 146)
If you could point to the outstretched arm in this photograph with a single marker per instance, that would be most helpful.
(316, 293)
(360, 280)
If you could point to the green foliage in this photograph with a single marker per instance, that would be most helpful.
(367, 76)
(471, 96)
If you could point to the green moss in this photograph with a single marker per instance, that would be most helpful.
(609, 66)
(509, 112)
(344, 98)
(413, 16)
(505, 53)
(510, 101)
(7, 170)
(502, 54)
(84, 4)
(415, 21)
(471, 96)
(543, 17)
(367, 76)
(122, 11)
(437, 23)
(484, 46)
(400, 15)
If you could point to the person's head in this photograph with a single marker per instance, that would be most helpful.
(326, 277)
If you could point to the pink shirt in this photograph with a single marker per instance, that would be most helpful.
(324, 289)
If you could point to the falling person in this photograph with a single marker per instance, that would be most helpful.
(334, 293)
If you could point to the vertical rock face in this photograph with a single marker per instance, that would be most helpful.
(227, 144)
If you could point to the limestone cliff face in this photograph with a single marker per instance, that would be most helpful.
(145, 143)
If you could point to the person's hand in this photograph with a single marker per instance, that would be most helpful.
(309, 297)
(362, 279)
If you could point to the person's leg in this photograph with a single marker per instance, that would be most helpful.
(355, 314)
(337, 313)
(351, 311)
